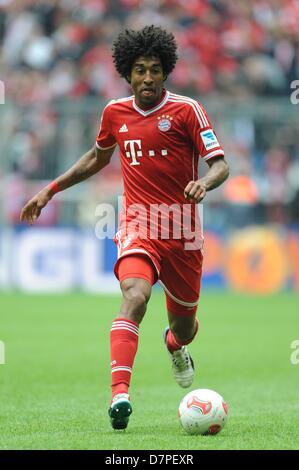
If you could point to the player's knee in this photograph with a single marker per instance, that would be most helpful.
(135, 304)
(135, 298)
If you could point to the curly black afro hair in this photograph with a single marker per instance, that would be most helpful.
(149, 41)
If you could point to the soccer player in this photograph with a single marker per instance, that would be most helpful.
(161, 136)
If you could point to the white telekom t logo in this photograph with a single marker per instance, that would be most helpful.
(131, 153)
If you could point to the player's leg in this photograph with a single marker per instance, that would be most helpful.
(180, 277)
(137, 275)
(136, 292)
(182, 329)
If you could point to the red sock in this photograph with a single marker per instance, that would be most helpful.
(173, 344)
(123, 348)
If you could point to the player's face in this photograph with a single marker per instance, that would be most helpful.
(147, 80)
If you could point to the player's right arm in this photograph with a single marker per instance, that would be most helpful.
(89, 164)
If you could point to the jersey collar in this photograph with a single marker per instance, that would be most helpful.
(146, 112)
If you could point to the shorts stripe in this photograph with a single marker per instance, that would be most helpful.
(178, 301)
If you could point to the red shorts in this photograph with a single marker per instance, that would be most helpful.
(177, 270)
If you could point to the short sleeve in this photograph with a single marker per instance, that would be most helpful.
(105, 140)
(201, 132)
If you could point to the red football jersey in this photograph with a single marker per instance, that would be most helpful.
(159, 149)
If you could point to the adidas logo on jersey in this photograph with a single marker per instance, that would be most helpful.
(123, 128)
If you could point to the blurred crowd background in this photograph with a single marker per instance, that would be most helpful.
(238, 58)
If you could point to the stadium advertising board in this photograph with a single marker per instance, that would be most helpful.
(255, 260)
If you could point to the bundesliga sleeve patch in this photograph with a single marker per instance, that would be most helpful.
(209, 139)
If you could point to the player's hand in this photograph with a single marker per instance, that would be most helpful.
(33, 208)
(195, 191)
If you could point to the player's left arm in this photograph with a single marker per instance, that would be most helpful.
(218, 172)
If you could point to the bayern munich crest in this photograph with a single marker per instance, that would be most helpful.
(164, 122)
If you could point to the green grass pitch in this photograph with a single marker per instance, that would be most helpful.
(55, 385)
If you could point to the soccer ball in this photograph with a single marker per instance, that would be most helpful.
(203, 411)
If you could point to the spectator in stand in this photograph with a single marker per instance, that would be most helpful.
(59, 52)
